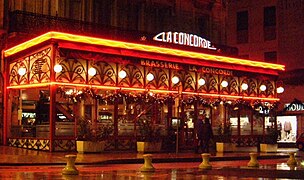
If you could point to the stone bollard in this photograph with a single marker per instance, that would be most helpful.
(148, 166)
(205, 163)
(253, 160)
(70, 168)
(292, 159)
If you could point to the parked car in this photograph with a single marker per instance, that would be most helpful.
(300, 142)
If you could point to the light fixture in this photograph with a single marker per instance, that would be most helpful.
(201, 81)
(57, 68)
(92, 71)
(280, 90)
(21, 71)
(224, 84)
(122, 74)
(244, 86)
(175, 80)
(262, 87)
(150, 77)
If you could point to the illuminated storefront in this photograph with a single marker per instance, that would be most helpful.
(56, 77)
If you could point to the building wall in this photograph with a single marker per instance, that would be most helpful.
(289, 43)
(256, 45)
(291, 33)
(205, 18)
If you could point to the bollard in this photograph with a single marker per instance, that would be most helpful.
(148, 166)
(253, 160)
(292, 159)
(205, 163)
(70, 168)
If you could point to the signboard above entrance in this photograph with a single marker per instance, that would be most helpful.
(184, 39)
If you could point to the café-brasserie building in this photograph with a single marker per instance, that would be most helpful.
(53, 79)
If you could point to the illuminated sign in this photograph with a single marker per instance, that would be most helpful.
(183, 39)
(210, 70)
(294, 107)
(159, 64)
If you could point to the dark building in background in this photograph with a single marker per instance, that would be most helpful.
(272, 31)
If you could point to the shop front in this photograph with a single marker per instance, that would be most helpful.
(54, 79)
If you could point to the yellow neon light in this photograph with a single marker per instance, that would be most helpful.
(138, 47)
(138, 89)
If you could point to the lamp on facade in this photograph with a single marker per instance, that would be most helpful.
(92, 71)
(244, 86)
(175, 80)
(262, 87)
(224, 84)
(201, 81)
(122, 74)
(280, 90)
(21, 71)
(150, 77)
(57, 68)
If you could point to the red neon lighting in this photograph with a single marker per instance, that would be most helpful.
(138, 47)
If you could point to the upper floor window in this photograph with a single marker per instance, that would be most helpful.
(242, 27)
(269, 23)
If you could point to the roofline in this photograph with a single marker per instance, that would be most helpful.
(138, 47)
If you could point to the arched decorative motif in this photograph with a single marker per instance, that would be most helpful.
(73, 71)
(252, 87)
(187, 80)
(40, 66)
(270, 90)
(211, 83)
(14, 77)
(105, 73)
(233, 86)
(134, 77)
(260, 92)
(161, 79)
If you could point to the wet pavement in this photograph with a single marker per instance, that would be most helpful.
(17, 163)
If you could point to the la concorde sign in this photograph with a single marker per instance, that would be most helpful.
(184, 39)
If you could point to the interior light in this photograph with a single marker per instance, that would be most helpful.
(201, 81)
(21, 71)
(92, 71)
(244, 86)
(175, 80)
(57, 68)
(224, 84)
(150, 77)
(280, 89)
(122, 74)
(262, 87)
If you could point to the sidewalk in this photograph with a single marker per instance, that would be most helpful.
(12, 156)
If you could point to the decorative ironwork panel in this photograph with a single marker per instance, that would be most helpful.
(270, 88)
(14, 77)
(186, 80)
(264, 93)
(161, 78)
(64, 145)
(73, 71)
(35, 144)
(252, 87)
(134, 76)
(233, 85)
(105, 73)
(40, 66)
(211, 85)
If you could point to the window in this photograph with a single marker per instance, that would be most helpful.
(269, 23)
(270, 56)
(242, 20)
(269, 16)
(242, 27)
